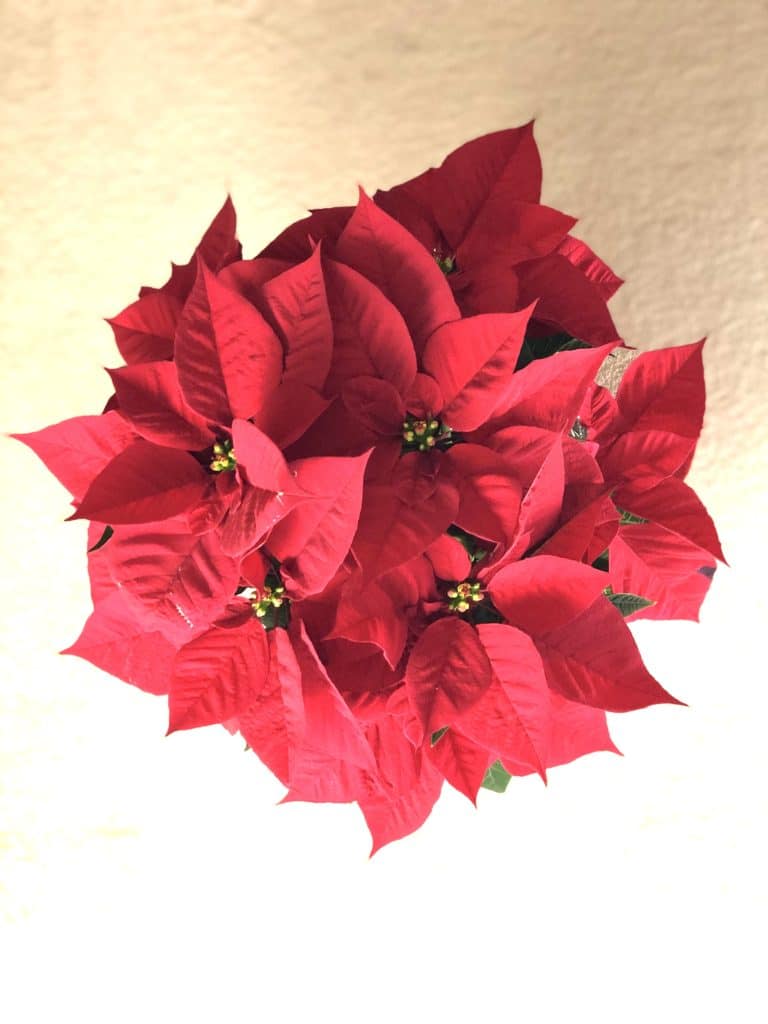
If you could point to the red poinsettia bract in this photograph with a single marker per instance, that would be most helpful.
(361, 499)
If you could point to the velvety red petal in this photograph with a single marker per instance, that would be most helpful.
(490, 493)
(675, 506)
(288, 412)
(376, 404)
(449, 558)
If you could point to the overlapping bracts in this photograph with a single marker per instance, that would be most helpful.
(361, 499)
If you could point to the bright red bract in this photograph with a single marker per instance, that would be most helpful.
(362, 499)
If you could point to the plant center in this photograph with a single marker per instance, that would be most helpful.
(464, 595)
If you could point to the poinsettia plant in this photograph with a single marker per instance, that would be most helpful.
(362, 499)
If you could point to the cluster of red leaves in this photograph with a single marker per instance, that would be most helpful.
(362, 509)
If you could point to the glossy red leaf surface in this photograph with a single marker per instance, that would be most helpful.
(388, 255)
(228, 357)
(142, 484)
(448, 671)
(151, 401)
(593, 659)
(217, 676)
(472, 361)
(78, 449)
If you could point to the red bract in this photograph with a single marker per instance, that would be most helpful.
(362, 500)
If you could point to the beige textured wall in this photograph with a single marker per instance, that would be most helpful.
(143, 878)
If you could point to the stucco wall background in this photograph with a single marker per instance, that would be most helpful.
(144, 878)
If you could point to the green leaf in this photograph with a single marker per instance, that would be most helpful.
(108, 531)
(541, 348)
(496, 778)
(438, 735)
(628, 603)
(472, 545)
(629, 518)
(601, 562)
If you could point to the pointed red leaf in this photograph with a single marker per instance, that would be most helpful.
(298, 307)
(409, 790)
(218, 676)
(143, 484)
(599, 274)
(541, 593)
(512, 718)
(594, 659)
(490, 492)
(576, 730)
(574, 537)
(549, 392)
(513, 231)
(402, 516)
(217, 248)
(273, 723)
(294, 243)
(424, 399)
(78, 449)
(150, 399)
(145, 330)
(330, 726)
(675, 506)
(661, 402)
(314, 539)
(228, 357)
(261, 460)
(472, 361)
(388, 255)
(179, 581)
(376, 404)
(484, 173)
(447, 672)
(288, 412)
(370, 336)
(114, 640)
(368, 615)
(251, 516)
(647, 559)
(543, 501)
(460, 761)
(524, 448)
(566, 299)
